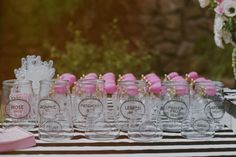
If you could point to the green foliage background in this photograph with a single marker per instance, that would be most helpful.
(54, 29)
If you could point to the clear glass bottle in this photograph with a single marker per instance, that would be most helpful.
(18, 104)
(131, 98)
(206, 111)
(55, 108)
(90, 97)
(175, 108)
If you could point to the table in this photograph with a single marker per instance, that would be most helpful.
(172, 144)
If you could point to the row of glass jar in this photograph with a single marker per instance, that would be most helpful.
(195, 111)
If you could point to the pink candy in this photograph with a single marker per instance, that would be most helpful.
(109, 76)
(193, 75)
(89, 88)
(181, 90)
(128, 77)
(132, 90)
(156, 88)
(172, 75)
(68, 77)
(178, 79)
(110, 83)
(208, 86)
(110, 88)
(60, 88)
(91, 76)
(150, 75)
(202, 79)
(154, 82)
(210, 90)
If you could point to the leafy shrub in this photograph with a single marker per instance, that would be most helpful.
(81, 57)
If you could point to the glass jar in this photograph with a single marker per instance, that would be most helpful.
(206, 111)
(55, 119)
(90, 97)
(175, 108)
(131, 98)
(18, 104)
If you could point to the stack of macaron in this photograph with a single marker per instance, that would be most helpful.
(91, 76)
(127, 77)
(130, 87)
(61, 87)
(68, 77)
(178, 82)
(110, 82)
(154, 83)
(88, 83)
(174, 77)
(207, 85)
(192, 76)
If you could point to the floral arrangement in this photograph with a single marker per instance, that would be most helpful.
(224, 24)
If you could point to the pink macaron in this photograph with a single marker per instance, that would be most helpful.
(178, 79)
(91, 76)
(210, 90)
(60, 88)
(181, 90)
(153, 80)
(110, 88)
(156, 88)
(128, 75)
(193, 75)
(88, 88)
(68, 77)
(150, 75)
(110, 81)
(132, 90)
(209, 87)
(172, 75)
(128, 79)
(109, 75)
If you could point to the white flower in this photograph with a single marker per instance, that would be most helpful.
(204, 3)
(230, 8)
(218, 40)
(218, 23)
(218, 30)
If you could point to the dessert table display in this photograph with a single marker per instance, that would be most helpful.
(176, 116)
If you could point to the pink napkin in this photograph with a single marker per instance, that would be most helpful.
(16, 138)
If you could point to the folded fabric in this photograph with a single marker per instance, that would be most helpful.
(15, 138)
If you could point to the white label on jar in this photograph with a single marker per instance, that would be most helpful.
(48, 108)
(52, 126)
(201, 125)
(130, 106)
(18, 108)
(214, 110)
(175, 109)
(90, 104)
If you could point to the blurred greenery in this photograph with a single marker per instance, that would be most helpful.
(91, 44)
(81, 57)
(212, 61)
